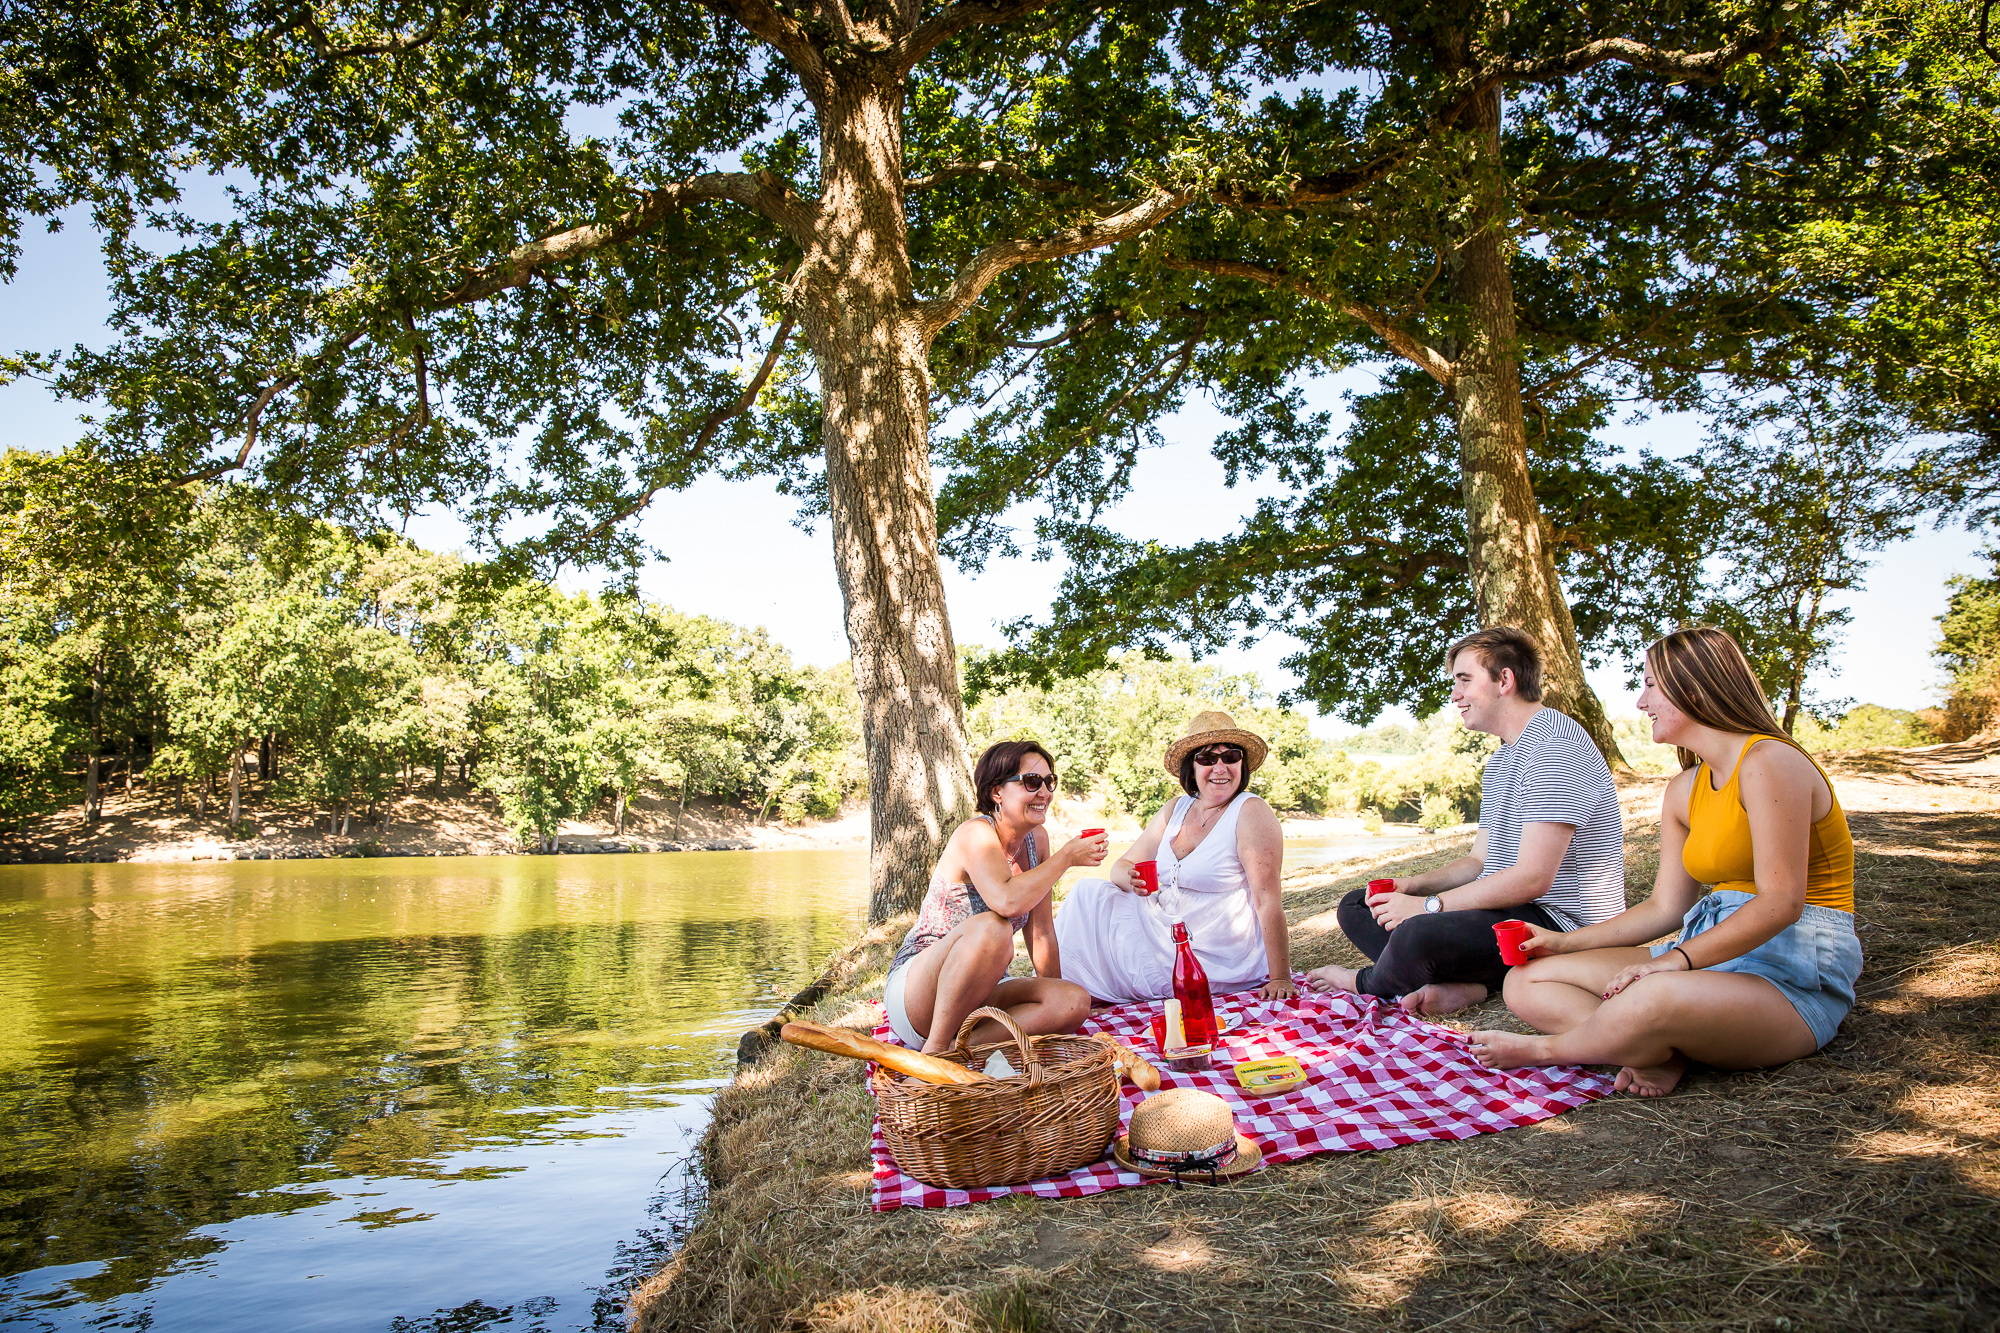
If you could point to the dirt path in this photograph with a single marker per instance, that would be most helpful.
(1859, 1189)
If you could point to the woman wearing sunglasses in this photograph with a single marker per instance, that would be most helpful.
(1221, 849)
(994, 879)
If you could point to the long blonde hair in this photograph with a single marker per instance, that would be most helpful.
(1704, 673)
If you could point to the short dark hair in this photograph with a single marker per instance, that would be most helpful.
(1187, 772)
(1001, 761)
(1505, 648)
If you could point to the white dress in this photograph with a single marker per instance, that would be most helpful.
(1120, 946)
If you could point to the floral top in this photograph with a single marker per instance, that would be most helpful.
(946, 906)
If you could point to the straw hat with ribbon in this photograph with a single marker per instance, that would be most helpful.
(1187, 1134)
(1217, 728)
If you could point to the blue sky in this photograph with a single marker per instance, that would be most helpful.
(784, 579)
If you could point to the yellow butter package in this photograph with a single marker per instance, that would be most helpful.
(1275, 1075)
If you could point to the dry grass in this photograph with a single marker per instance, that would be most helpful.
(1859, 1189)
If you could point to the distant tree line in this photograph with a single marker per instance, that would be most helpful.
(1969, 649)
(347, 669)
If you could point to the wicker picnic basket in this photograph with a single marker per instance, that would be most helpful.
(1058, 1115)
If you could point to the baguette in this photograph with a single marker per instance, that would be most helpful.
(1133, 1067)
(840, 1041)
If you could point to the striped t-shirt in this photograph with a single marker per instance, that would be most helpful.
(1551, 773)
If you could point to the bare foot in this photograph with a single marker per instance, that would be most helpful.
(1444, 997)
(1508, 1050)
(1653, 1080)
(1331, 978)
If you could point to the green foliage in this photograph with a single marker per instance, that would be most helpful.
(362, 658)
(1635, 738)
(36, 726)
(1892, 234)
(1811, 488)
(1109, 729)
(1969, 649)
(1867, 727)
(1438, 812)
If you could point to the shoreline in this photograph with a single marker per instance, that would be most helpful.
(146, 829)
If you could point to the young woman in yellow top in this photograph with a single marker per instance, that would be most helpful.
(1764, 966)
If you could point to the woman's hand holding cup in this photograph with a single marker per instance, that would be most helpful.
(1528, 941)
(1088, 848)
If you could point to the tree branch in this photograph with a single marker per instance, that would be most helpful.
(1703, 66)
(939, 28)
(254, 418)
(713, 422)
(395, 45)
(786, 35)
(763, 191)
(1133, 218)
(1005, 170)
(423, 369)
(1412, 349)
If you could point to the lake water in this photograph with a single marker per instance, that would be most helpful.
(400, 1095)
(375, 1095)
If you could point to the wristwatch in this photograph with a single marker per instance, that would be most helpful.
(1434, 903)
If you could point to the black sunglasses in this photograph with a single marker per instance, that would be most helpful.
(1032, 782)
(1219, 754)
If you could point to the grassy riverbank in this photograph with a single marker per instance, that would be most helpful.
(1859, 1189)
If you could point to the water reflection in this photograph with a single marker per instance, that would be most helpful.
(389, 1094)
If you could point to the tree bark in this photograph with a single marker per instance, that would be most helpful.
(235, 786)
(93, 787)
(860, 317)
(1514, 579)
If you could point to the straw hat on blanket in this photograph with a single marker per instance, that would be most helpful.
(1186, 1133)
(1217, 728)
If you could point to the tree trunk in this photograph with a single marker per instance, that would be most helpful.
(1514, 578)
(618, 812)
(235, 786)
(859, 316)
(93, 787)
(680, 815)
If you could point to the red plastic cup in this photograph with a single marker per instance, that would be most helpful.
(1147, 875)
(1378, 887)
(1090, 833)
(1511, 935)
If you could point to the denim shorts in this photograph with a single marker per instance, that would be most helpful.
(1814, 962)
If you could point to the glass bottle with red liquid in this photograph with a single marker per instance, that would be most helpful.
(1191, 989)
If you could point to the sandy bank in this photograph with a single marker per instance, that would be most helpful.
(147, 827)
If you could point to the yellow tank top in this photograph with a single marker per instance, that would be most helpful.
(1718, 848)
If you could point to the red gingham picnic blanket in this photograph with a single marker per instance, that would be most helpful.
(1376, 1077)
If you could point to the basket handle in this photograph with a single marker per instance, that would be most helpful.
(963, 1049)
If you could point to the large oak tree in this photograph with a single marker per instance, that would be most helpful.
(1479, 192)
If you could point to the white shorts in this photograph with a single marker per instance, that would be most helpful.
(899, 1017)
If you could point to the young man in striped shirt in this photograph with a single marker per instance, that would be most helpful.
(1550, 850)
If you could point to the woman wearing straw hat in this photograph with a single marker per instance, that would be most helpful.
(1219, 851)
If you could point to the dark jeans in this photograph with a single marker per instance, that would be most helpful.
(1430, 947)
